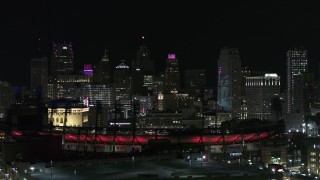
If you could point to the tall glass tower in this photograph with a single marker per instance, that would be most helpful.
(229, 81)
(62, 59)
(297, 63)
(172, 74)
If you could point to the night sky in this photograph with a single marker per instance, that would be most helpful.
(194, 30)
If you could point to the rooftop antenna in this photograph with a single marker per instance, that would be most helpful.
(105, 52)
(39, 47)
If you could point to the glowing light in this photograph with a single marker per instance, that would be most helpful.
(87, 69)
(64, 47)
(270, 75)
(171, 56)
(280, 170)
(142, 37)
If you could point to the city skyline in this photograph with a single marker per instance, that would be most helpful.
(194, 31)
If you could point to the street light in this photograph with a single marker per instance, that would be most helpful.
(202, 158)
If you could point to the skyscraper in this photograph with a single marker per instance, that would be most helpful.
(172, 74)
(39, 76)
(195, 81)
(103, 71)
(143, 61)
(297, 62)
(229, 81)
(6, 99)
(62, 59)
(142, 70)
(122, 86)
(259, 92)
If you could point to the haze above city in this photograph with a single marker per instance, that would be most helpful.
(195, 31)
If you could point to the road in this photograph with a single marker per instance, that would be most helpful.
(143, 169)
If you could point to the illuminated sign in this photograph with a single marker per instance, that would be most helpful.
(270, 75)
(236, 154)
(171, 56)
(87, 69)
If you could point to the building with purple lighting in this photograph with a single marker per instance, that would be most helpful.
(62, 59)
(172, 74)
(87, 69)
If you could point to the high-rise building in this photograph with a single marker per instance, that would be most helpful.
(87, 69)
(144, 61)
(229, 81)
(103, 70)
(260, 90)
(122, 87)
(62, 59)
(6, 99)
(245, 72)
(304, 95)
(142, 70)
(93, 93)
(297, 63)
(172, 74)
(195, 81)
(39, 77)
(68, 86)
(304, 92)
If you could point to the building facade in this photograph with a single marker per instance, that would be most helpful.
(260, 90)
(62, 59)
(297, 63)
(229, 81)
(103, 72)
(39, 76)
(6, 99)
(172, 74)
(123, 87)
(195, 82)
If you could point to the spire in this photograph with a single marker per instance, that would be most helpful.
(105, 57)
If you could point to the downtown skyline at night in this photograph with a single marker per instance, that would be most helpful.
(195, 32)
(163, 89)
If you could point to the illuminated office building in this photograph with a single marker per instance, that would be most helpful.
(172, 74)
(62, 59)
(260, 90)
(6, 99)
(142, 70)
(297, 63)
(39, 76)
(229, 81)
(122, 87)
(93, 93)
(67, 86)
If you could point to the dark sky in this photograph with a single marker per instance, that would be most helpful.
(194, 30)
